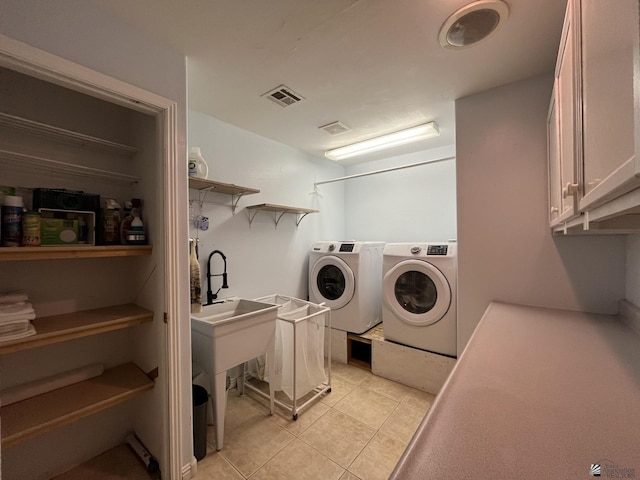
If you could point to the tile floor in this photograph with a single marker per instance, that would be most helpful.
(358, 431)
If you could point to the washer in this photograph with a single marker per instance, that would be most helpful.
(419, 295)
(347, 277)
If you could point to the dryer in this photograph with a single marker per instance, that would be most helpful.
(347, 277)
(419, 295)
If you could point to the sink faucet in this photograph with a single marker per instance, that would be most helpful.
(210, 295)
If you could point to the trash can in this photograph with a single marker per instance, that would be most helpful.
(200, 400)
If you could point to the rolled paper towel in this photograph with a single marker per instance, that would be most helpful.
(44, 385)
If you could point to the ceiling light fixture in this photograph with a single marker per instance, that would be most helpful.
(472, 23)
(395, 139)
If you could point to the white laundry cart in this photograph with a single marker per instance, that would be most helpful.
(299, 352)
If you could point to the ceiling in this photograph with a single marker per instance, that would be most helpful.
(375, 65)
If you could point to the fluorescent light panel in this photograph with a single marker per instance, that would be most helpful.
(401, 137)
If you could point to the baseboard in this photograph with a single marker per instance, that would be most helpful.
(189, 471)
(629, 314)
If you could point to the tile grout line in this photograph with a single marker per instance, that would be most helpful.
(330, 408)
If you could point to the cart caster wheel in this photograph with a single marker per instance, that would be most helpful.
(295, 417)
(329, 390)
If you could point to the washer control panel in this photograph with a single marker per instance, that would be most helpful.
(416, 250)
(347, 247)
(436, 250)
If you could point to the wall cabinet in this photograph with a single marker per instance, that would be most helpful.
(562, 123)
(594, 118)
(95, 304)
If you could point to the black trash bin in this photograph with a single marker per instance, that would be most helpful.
(200, 397)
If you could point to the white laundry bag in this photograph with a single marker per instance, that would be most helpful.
(308, 321)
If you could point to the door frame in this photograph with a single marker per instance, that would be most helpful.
(24, 58)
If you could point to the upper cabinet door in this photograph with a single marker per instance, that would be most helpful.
(609, 37)
(565, 91)
(553, 153)
(562, 125)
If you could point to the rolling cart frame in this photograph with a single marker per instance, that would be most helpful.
(324, 387)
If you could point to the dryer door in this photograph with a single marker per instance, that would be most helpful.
(332, 281)
(417, 292)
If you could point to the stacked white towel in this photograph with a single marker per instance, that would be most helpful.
(16, 314)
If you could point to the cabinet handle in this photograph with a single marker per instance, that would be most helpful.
(570, 189)
(554, 210)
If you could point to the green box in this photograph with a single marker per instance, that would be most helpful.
(59, 231)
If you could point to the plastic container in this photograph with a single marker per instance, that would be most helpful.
(31, 227)
(197, 165)
(200, 400)
(12, 209)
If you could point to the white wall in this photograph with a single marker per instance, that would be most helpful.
(77, 32)
(261, 258)
(411, 205)
(633, 269)
(506, 251)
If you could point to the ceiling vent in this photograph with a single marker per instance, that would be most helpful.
(335, 128)
(283, 96)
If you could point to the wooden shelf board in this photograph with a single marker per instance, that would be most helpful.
(219, 187)
(76, 251)
(60, 328)
(68, 404)
(270, 207)
(115, 464)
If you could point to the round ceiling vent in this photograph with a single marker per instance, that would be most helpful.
(472, 23)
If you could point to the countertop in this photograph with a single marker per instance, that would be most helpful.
(538, 393)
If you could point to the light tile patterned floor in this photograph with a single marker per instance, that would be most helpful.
(356, 432)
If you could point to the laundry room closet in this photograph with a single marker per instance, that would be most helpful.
(99, 308)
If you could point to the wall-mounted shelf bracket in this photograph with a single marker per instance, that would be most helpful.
(205, 186)
(279, 211)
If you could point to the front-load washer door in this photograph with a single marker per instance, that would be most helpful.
(332, 281)
(417, 292)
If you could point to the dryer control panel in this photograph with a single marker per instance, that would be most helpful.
(437, 249)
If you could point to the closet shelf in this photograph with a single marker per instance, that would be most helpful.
(279, 211)
(60, 328)
(42, 413)
(67, 252)
(65, 136)
(118, 462)
(204, 186)
(21, 159)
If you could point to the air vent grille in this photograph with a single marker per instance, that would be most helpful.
(283, 96)
(335, 128)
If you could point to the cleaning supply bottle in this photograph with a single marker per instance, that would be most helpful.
(111, 224)
(125, 225)
(12, 210)
(197, 166)
(196, 289)
(136, 232)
